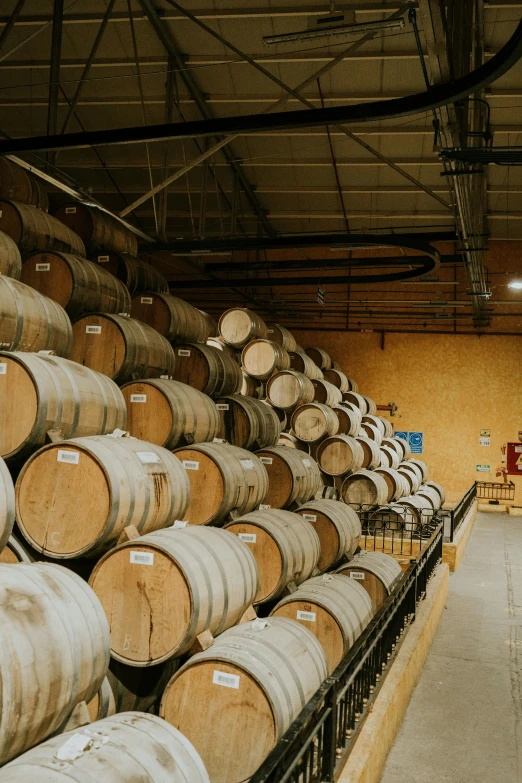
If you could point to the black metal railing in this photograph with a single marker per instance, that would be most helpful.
(453, 517)
(317, 743)
(491, 490)
(396, 529)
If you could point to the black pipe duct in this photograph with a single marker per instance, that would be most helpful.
(438, 95)
(319, 263)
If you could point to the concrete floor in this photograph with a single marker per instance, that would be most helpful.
(463, 724)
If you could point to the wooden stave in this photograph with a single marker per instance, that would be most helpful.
(396, 444)
(286, 662)
(326, 393)
(372, 407)
(136, 688)
(305, 387)
(319, 357)
(343, 599)
(238, 404)
(211, 324)
(381, 565)
(98, 229)
(18, 184)
(349, 424)
(75, 653)
(251, 387)
(93, 289)
(420, 508)
(133, 744)
(238, 499)
(422, 467)
(281, 359)
(10, 258)
(282, 336)
(337, 378)
(410, 480)
(303, 470)
(354, 386)
(358, 400)
(372, 452)
(377, 421)
(388, 427)
(407, 467)
(160, 496)
(281, 415)
(380, 487)
(397, 489)
(257, 328)
(331, 422)
(301, 362)
(372, 432)
(102, 705)
(405, 447)
(295, 539)
(195, 418)
(430, 494)
(356, 449)
(345, 521)
(439, 488)
(136, 274)
(269, 423)
(37, 230)
(391, 456)
(224, 374)
(219, 571)
(184, 324)
(32, 322)
(147, 353)
(70, 411)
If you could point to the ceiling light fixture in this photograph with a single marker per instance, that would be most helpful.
(516, 284)
(334, 24)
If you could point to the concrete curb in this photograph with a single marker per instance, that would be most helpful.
(453, 552)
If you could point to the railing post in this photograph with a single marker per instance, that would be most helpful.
(330, 738)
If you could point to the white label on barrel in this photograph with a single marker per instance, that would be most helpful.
(357, 575)
(223, 406)
(73, 748)
(270, 331)
(266, 460)
(93, 329)
(307, 463)
(146, 299)
(183, 352)
(138, 398)
(227, 680)
(72, 457)
(308, 616)
(148, 457)
(247, 463)
(189, 465)
(264, 507)
(142, 558)
(70, 210)
(42, 267)
(3, 368)
(179, 524)
(103, 259)
(310, 517)
(248, 538)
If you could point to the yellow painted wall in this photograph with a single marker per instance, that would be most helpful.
(449, 387)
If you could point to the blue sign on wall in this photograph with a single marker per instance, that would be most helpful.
(415, 439)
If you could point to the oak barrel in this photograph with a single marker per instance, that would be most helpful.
(33, 229)
(247, 422)
(335, 609)
(139, 688)
(211, 324)
(78, 285)
(280, 335)
(377, 572)
(372, 432)
(422, 467)
(121, 348)
(326, 392)
(376, 421)
(319, 357)
(358, 400)
(224, 480)
(372, 407)
(300, 362)
(172, 317)
(124, 748)
(253, 682)
(349, 422)
(261, 358)
(389, 458)
(338, 379)
(420, 509)
(366, 488)
(395, 482)
(14, 552)
(135, 273)
(372, 453)
(55, 651)
(288, 439)
(238, 326)
(339, 455)
(431, 495)
(208, 369)
(251, 387)
(438, 488)
(409, 469)
(98, 228)
(10, 258)
(293, 476)
(338, 527)
(169, 413)
(388, 427)
(18, 184)
(102, 704)
(162, 590)
(314, 421)
(288, 388)
(74, 498)
(39, 392)
(397, 444)
(31, 321)
(7, 505)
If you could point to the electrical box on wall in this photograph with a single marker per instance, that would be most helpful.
(514, 459)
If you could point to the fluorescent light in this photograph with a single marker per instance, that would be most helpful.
(326, 30)
(516, 284)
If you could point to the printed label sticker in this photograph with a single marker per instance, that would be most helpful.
(227, 680)
(310, 517)
(357, 575)
(148, 457)
(70, 210)
(138, 398)
(93, 329)
(3, 368)
(42, 267)
(72, 457)
(266, 460)
(142, 558)
(308, 616)
(223, 406)
(248, 538)
(146, 299)
(183, 352)
(247, 463)
(189, 465)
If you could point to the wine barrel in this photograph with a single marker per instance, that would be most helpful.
(388, 427)
(78, 285)
(121, 348)
(285, 548)
(293, 476)
(31, 321)
(7, 505)
(313, 422)
(33, 229)
(354, 387)
(238, 326)
(174, 318)
(55, 638)
(393, 479)
(302, 363)
(338, 527)
(422, 467)
(139, 688)
(372, 453)
(288, 388)
(326, 393)
(18, 184)
(122, 748)
(289, 440)
(340, 455)
(431, 495)
(365, 488)
(392, 517)
(278, 334)
(375, 421)
(438, 488)
(39, 392)
(372, 432)
(169, 413)
(377, 572)
(335, 609)
(404, 444)
(246, 422)
(135, 273)
(372, 407)
(261, 358)
(208, 369)
(358, 400)
(97, 228)
(269, 669)
(319, 357)
(10, 258)
(280, 413)
(338, 379)
(397, 444)
(102, 704)
(349, 422)
(217, 342)
(14, 552)
(211, 324)
(413, 470)
(208, 579)
(224, 480)
(420, 509)
(389, 458)
(251, 387)
(74, 498)
(410, 481)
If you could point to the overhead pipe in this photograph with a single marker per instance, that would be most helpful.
(318, 263)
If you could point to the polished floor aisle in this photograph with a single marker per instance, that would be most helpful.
(463, 724)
